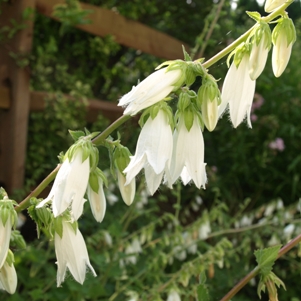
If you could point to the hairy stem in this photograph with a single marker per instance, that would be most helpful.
(253, 273)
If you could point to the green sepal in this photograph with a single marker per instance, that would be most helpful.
(266, 259)
(190, 75)
(17, 240)
(287, 25)
(76, 134)
(10, 258)
(188, 118)
(94, 179)
(186, 55)
(58, 225)
(3, 193)
(261, 31)
(7, 210)
(74, 226)
(121, 158)
(254, 15)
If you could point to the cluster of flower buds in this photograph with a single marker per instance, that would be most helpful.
(8, 220)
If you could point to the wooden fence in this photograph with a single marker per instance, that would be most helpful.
(16, 99)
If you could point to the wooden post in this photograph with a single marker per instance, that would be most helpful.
(14, 120)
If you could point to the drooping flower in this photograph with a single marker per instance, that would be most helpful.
(238, 92)
(70, 186)
(188, 154)
(96, 194)
(153, 151)
(121, 159)
(151, 90)
(8, 219)
(8, 278)
(271, 5)
(283, 38)
(71, 252)
(261, 44)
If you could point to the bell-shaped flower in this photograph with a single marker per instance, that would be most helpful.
(261, 44)
(96, 194)
(188, 154)
(153, 151)
(271, 5)
(127, 191)
(121, 159)
(173, 296)
(8, 219)
(208, 100)
(153, 89)
(8, 278)
(283, 38)
(238, 92)
(71, 252)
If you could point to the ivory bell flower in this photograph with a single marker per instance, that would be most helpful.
(127, 191)
(8, 278)
(153, 152)
(271, 5)
(5, 233)
(97, 198)
(188, 155)
(150, 91)
(261, 45)
(283, 38)
(238, 92)
(71, 253)
(70, 186)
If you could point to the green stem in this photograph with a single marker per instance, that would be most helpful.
(112, 127)
(26, 202)
(253, 273)
(243, 37)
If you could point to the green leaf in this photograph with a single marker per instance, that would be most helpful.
(203, 294)
(76, 134)
(266, 258)
(254, 15)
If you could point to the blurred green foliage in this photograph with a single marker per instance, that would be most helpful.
(184, 232)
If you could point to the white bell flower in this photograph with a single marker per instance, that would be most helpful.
(188, 155)
(261, 45)
(97, 200)
(153, 89)
(238, 92)
(5, 233)
(283, 38)
(127, 191)
(71, 252)
(153, 152)
(173, 296)
(8, 278)
(70, 186)
(271, 5)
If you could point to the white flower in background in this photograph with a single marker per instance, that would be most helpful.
(283, 38)
(96, 195)
(271, 5)
(204, 230)
(238, 92)
(288, 231)
(153, 152)
(153, 89)
(5, 233)
(173, 296)
(273, 241)
(261, 44)
(8, 278)
(71, 252)
(70, 186)
(179, 253)
(269, 209)
(127, 191)
(188, 155)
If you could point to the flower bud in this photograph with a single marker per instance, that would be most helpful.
(283, 38)
(208, 101)
(271, 5)
(8, 275)
(261, 44)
